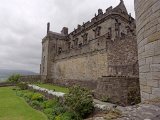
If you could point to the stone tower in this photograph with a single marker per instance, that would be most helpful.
(148, 39)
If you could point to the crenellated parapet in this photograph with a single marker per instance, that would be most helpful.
(90, 50)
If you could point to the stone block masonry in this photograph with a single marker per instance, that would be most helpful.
(119, 90)
(148, 39)
(104, 46)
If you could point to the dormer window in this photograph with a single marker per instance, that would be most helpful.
(75, 42)
(97, 31)
(85, 37)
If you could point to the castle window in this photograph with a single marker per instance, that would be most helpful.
(85, 37)
(69, 45)
(109, 36)
(59, 50)
(75, 42)
(80, 45)
(97, 31)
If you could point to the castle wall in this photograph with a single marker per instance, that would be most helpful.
(44, 60)
(84, 67)
(123, 57)
(148, 39)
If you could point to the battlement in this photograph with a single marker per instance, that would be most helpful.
(90, 50)
(119, 10)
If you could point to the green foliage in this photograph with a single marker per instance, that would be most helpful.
(35, 104)
(50, 103)
(23, 86)
(67, 116)
(14, 78)
(79, 101)
(77, 104)
(28, 95)
(134, 96)
(38, 97)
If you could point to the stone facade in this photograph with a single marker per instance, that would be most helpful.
(98, 55)
(116, 89)
(148, 39)
(104, 46)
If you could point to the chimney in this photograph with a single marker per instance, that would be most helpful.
(121, 1)
(64, 31)
(100, 11)
(79, 26)
(48, 27)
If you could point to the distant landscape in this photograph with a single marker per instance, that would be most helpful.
(5, 73)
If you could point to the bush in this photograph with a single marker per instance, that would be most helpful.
(14, 78)
(50, 103)
(66, 116)
(28, 95)
(38, 97)
(35, 104)
(23, 86)
(79, 101)
(49, 113)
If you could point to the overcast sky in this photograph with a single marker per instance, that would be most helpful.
(23, 25)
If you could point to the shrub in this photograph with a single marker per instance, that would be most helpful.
(35, 104)
(57, 110)
(14, 78)
(19, 93)
(67, 116)
(79, 101)
(50, 103)
(38, 97)
(23, 86)
(28, 95)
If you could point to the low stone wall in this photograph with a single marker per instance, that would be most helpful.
(6, 84)
(30, 78)
(120, 90)
(91, 84)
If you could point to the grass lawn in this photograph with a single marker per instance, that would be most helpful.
(53, 87)
(13, 107)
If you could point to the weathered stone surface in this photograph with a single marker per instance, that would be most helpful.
(148, 26)
(146, 89)
(105, 46)
(137, 112)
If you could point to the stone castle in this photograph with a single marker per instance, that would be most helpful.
(101, 55)
(104, 46)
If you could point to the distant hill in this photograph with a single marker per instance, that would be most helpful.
(5, 73)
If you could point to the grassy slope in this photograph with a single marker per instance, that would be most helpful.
(13, 107)
(53, 87)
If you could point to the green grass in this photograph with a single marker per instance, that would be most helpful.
(13, 107)
(53, 87)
